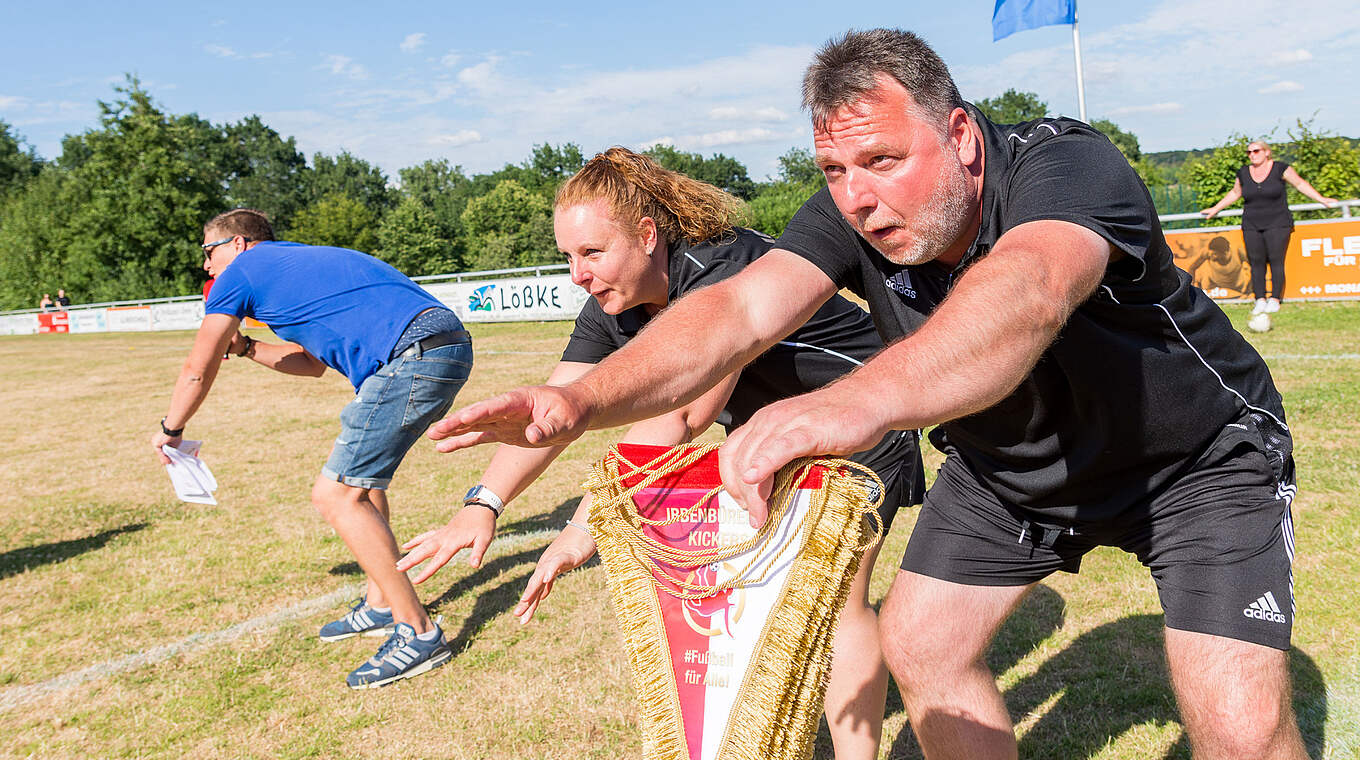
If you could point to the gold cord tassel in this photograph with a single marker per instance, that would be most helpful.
(775, 714)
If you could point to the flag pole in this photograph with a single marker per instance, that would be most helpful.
(1081, 85)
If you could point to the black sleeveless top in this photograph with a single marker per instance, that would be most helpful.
(1264, 204)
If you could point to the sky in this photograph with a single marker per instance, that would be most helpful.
(480, 84)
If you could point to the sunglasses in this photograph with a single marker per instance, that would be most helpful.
(1255, 150)
(208, 247)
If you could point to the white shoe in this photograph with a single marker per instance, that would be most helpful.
(1260, 307)
(1272, 306)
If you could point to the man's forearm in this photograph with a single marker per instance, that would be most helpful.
(682, 353)
(190, 389)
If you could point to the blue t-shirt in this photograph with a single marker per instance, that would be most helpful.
(346, 308)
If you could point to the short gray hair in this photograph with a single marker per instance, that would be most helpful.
(847, 69)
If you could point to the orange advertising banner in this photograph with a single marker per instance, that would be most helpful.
(1322, 261)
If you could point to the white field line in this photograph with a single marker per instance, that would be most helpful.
(18, 696)
(1322, 357)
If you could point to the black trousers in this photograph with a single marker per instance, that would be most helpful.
(1267, 247)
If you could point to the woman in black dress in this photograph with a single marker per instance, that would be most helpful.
(1266, 220)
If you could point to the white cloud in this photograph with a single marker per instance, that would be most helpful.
(1283, 85)
(733, 113)
(482, 77)
(457, 139)
(450, 59)
(221, 51)
(13, 102)
(345, 66)
(1285, 57)
(721, 138)
(1152, 108)
(413, 42)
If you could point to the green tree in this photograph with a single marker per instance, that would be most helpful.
(411, 240)
(800, 167)
(721, 171)
(35, 235)
(141, 191)
(349, 175)
(1012, 107)
(265, 172)
(18, 164)
(1330, 164)
(509, 227)
(337, 220)
(776, 203)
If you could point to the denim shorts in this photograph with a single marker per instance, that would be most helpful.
(392, 409)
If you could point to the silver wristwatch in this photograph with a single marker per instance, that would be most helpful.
(480, 494)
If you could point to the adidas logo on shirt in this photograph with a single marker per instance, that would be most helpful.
(901, 282)
(1264, 608)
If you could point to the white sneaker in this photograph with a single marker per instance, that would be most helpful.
(1272, 306)
(1260, 307)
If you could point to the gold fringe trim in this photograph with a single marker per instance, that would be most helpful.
(775, 714)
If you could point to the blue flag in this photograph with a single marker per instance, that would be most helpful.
(1013, 16)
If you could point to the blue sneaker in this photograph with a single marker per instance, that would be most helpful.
(360, 620)
(401, 656)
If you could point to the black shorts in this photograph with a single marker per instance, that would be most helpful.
(896, 459)
(1219, 539)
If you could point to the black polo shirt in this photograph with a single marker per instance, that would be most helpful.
(1138, 382)
(838, 337)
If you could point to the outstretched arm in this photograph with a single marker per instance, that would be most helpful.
(574, 546)
(973, 351)
(1293, 178)
(1228, 200)
(195, 377)
(706, 335)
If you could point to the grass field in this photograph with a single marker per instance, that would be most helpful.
(136, 626)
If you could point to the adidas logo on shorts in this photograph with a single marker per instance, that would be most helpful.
(1264, 608)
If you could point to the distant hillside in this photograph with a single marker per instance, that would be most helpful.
(1171, 161)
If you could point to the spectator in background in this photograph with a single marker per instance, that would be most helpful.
(1266, 220)
(46, 303)
(63, 300)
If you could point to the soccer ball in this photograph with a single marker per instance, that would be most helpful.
(1259, 323)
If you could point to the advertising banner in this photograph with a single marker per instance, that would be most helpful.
(128, 318)
(518, 299)
(88, 321)
(18, 324)
(181, 315)
(53, 322)
(1322, 260)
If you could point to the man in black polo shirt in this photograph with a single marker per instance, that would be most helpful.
(1086, 394)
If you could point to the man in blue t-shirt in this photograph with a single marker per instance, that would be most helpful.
(406, 355)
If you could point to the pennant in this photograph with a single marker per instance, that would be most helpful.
(728, 628)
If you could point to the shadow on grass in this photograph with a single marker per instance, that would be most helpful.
(502, 597)
(1108, 681)
(16, 561)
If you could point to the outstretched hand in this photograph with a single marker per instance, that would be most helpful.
(535, 417)
(568, 551)
(474, 526)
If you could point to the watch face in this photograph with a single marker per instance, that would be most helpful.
(472, 493)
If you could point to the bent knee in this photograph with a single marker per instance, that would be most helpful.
(330, 497)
